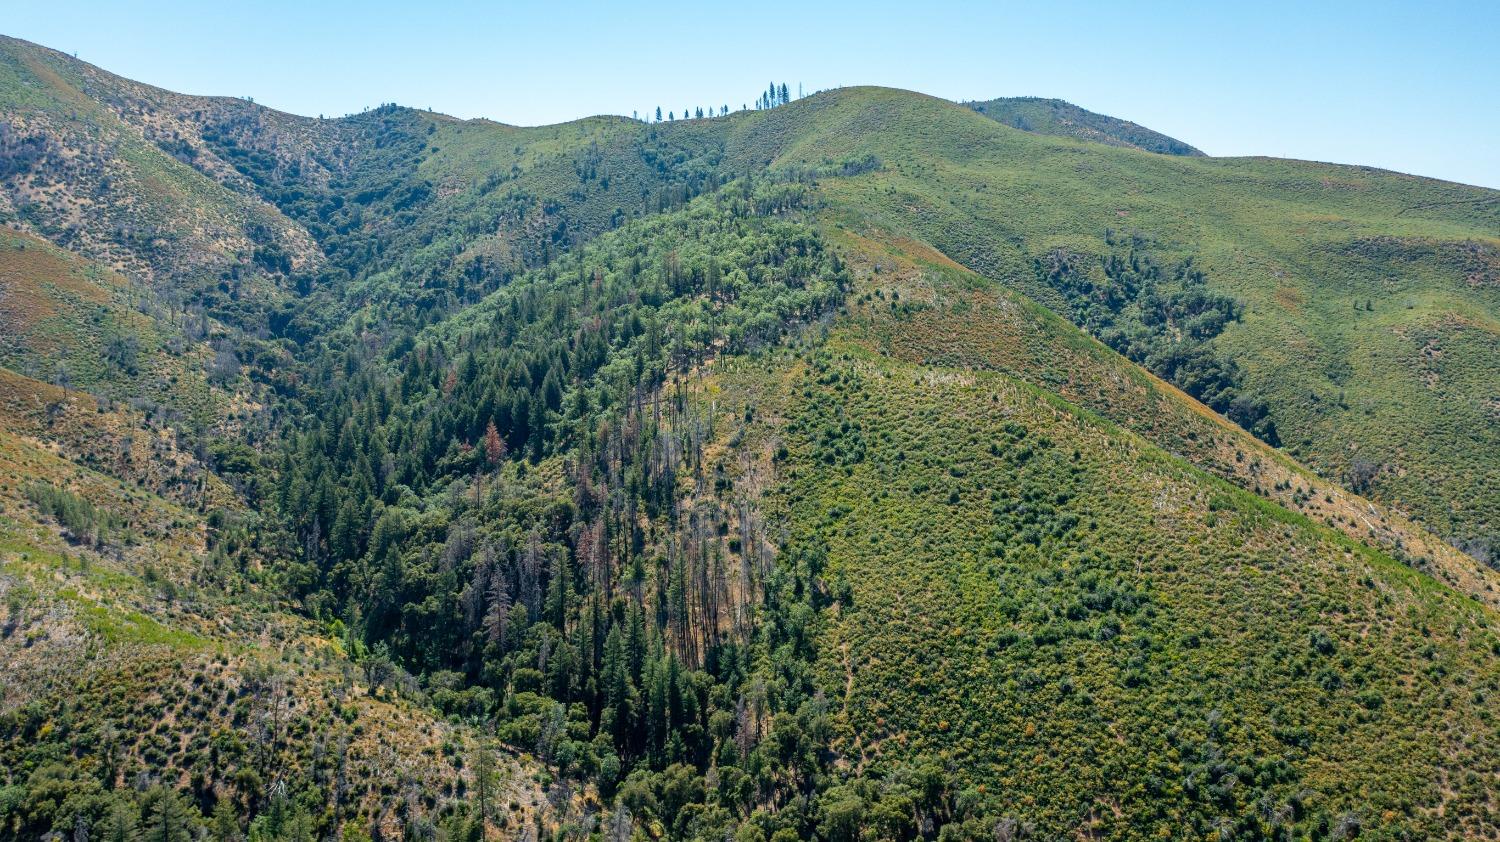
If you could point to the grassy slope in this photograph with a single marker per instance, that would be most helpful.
(919, 307)
(1055, 117)
(111, 439)
(1374, 725)
(67, 319)
(1297, 243)
(1101, 634)
(1110, 640)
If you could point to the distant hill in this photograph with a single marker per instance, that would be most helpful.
(1056, 117)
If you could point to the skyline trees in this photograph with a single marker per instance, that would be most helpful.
(773, 96)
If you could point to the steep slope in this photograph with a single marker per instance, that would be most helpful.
(109, 185)
(988, 618)
(425, 213)
(447, 210)
(918, 306)
(961, 589)
(1055, 117)
(366, 192)
(73, 323)
(771, 507)
(1098, 640)
(1339, 288)
(405, 212)
(137, 652)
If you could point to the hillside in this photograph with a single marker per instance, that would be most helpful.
(857, 468)
(1055, 117)
(140, 650)
(73, 323)
(1336, 290)
(113, 183)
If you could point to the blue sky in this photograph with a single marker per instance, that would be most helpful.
(1413, 86)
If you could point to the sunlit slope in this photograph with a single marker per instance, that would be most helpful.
(1367, 300)
(73, 323)
(1109, 642)
(917, 306)
(138, 644)
(1096, 637)
(116, 181)
(1056, 117)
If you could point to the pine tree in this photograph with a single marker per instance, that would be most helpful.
(123, 824)
(225, 825)
(494, 446)
(497, 620)
(167, 817)
(343, 542)
(616, 674)
(537, 425)
(559, 595)
(485, 779)
(635, 642)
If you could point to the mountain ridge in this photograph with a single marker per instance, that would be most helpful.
(861, 467)
(1055, 116)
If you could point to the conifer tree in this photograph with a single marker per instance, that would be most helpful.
(167, 817)
(225, 825)
(485, 779)
(122, 824)
(494, 446)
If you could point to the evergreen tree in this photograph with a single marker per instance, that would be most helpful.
(168, 818)
(121, 824)
(224, 826)
(485, 780)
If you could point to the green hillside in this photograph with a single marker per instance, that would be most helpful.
(920, 307)
(144, 664)
(1345, 284)
(860, 468)
(70, 322)
(1028, 586)
(1055, 117)
(1006, 489)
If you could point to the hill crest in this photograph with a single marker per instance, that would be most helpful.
(1064, 119)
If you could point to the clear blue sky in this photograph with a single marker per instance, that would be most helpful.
(1412, 86)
